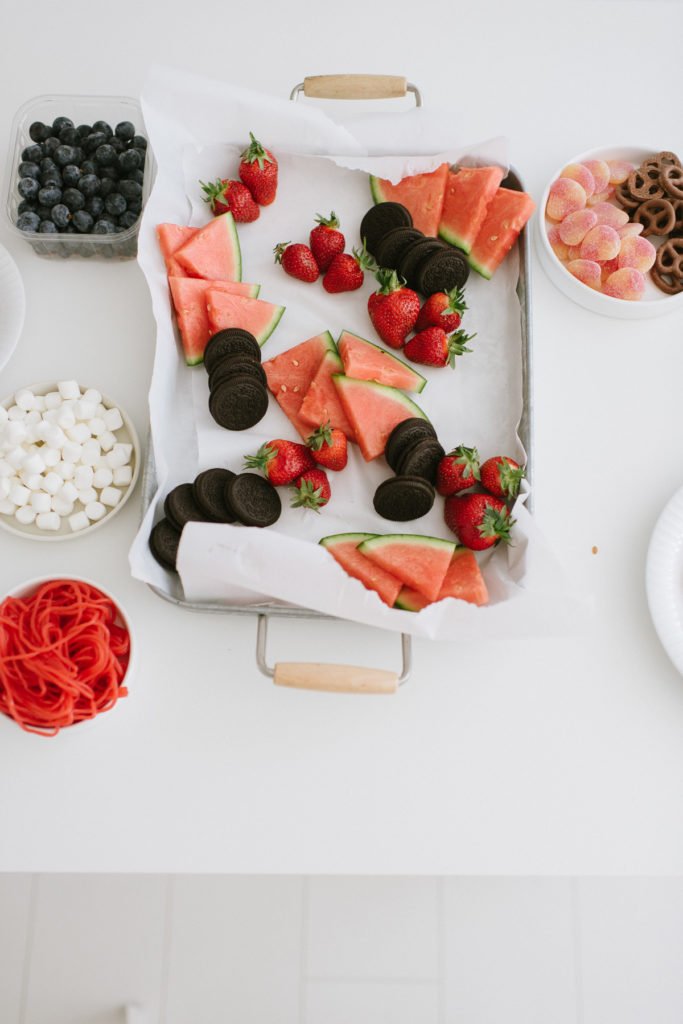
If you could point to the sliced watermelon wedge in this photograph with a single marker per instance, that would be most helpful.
(468, 194)
(171, 238)
(420, 562)
(506, 215)
(290, 374)
(373, 411)
(213, 252)
(364, 360)
(422, 194)
(463, 580)
(321, 402)
(189, 300)
(255, 315)
(344, 548)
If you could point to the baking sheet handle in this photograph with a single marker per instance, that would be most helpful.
(356, 87)
(331, 678)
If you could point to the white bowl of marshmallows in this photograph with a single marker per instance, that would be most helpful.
(69, 460)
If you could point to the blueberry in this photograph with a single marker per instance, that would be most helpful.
(61, 215)
(28, 169)
(44, 212)
(26, 206)
(28, 221)
(69, 230)
(48, 164)
(131, 160)
(39, 131)
(135, 205)
(102, 126)
(140, 142)
(89, 185)
(52, 177)
(50, 195)
(138, 177)
(51, 145)
(84, 130)
(83, 222)
(68, 136)
(88, 167)
(61, 122)
(33, 154)
(93, 141)
(79, 155)
(117, 144)
(74, 199)
(130, 189)
(107, 186)
(71, 174)
(46, 227)
(128, 219)
(104, 227)
(64, 155)
(95, 206)
(115, 204)
(28, 188)
(125, 130)
(105, 155)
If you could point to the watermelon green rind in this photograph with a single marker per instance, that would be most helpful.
(376, 189)
(410, 600)
(386, 540)
(412, 380)
(343, 538)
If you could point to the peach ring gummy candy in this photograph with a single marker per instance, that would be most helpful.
(638, 253)
(625, 283)
(619, 171)
(611, 215)
(576, 226)
(556, 243)
(601, 173)
(587, 271)
(601, 243)
(565, 197)
(581, 174)
(629, 230)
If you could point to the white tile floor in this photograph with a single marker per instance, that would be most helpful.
(213, 950)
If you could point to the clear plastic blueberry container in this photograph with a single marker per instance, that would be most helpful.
(81, 110)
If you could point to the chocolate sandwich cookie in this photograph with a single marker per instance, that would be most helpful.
(404, 436)
(421, 459)
(253, 499)
(394, 244)
(209, 493)
(239, 402)
(163, 543)
(413, 256)
(403, 498)
(230, 342)
(231, 366)
(442, 271)
(181, 507)
(380, 220)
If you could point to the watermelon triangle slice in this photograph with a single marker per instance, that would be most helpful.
(364, 360)
(171, 238)
(463, 580)
(506, 215)
(321, 402)
(189, 300)
(290, 374)
(254, 315)
(344, 548)
(420, 562)
(373, 411)
(422, 194)
(213, 252)
(468, 194)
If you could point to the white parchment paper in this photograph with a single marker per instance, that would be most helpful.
(197, 128)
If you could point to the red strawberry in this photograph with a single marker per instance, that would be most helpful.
(225, 195)
(328, 446)
(457, 471)
(443, 309)
(502, 476)
(297, 260)
(393, 308)
(478, 520)
(434, 347)
(258, 171)
(312, 490)
(345, 272)
(326, 241)
(282, 462)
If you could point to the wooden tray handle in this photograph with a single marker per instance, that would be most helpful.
(310, 675)
(355, 87)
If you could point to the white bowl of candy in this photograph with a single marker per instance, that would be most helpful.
(69, 460)
(608, 232)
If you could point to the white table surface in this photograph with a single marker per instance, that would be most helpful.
(535, 756)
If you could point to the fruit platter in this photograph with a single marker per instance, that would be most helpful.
(340, 408)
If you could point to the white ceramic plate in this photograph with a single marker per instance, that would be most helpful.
(654, 303)
(12, 306)
(664, 578)
(125, 434)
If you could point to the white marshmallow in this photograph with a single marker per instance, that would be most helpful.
(91, 452)
(25, 515)
(79, 521)
(3, 414)
(42, 428)
(95, 510)
(15, 433)
(51, 456)
(113, 419)
(69, 389)
(51, 416)
(40, 403)
(16, 457)
(55, 436)
(32, 433)
(41, 501)
(69, 491)
(107, 440)
(80, 433)
(116, 458)
(7, 507)
(66, 470)
(92, 395)
(19, 494)
(52, 482)
(62, 506)
(123, 476)
(5, 468)
(25, 399)
(15, 413)
(33, 417)
(5, 486)
(53, 400)
(48, 521)
(66, 418)
(97, 426)
(83, 477)
(110, 496)
(72, 451)
(34, 481)
(102, 478)
(84, 410)
(33, 463)
(86, 495)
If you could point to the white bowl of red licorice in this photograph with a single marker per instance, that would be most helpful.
(66, 653)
